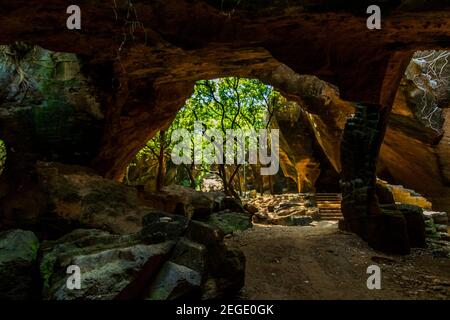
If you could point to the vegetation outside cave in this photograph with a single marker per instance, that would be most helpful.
(221, 104)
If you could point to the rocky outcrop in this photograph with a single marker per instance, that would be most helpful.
(139, 85)
(109, 265)
(437, 225)
(286, 209)
(297, 158)
(405, 196)
(170, 258)
(175, 281)
(18, 265)
(189, 202)
(147, 80)
(79, 197)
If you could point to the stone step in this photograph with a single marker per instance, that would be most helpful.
(336, 218)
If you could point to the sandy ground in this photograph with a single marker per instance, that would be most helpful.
(322, 262)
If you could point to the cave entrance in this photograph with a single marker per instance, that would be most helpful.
(216, 140)
(248, 107)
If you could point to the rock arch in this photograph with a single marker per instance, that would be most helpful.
(142, 78)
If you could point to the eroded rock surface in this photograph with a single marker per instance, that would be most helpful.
(171, 257)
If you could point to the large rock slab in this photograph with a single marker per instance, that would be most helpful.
(175, 282)
(77, 195)
(111, 266)
(171, 257)
(18, 267)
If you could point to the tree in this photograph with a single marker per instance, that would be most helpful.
(221, 104)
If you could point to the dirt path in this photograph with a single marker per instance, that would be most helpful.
(324, 263)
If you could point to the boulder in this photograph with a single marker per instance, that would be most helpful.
(192, 204)
(226, 273)
(415, 224)
(112, 266)
(190, 254)
(225, 265)
(160, 226)
(18, 266)
(231, 222)
(171, 257)
(204, 233)
(77, 196)
(292, 220)
(232, 204)
(250, 208)
(175, 282)
(189, 202)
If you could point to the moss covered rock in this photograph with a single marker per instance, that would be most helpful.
(231, 221)
(18, 253)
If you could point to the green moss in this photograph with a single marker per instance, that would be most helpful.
(46, 269)
(230, 222)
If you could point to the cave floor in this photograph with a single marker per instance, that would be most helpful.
(322, 262)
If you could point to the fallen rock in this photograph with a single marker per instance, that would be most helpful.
(160, 226)
(112, 266)
(174, 282)
(226, 273)
(292, 220)
(86, 200)
(204, 233)
(250, 208)
(192, 204)
(190, 254)
(232, 204)
(18, 266)
(225, 265)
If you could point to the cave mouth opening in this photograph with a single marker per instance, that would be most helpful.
(224, 135)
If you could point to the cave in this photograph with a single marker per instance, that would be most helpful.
(362, 117)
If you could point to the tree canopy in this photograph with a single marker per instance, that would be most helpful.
(221, 104)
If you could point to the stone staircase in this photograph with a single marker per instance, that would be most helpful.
(329, 205)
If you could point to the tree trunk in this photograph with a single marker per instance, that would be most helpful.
(161, 162)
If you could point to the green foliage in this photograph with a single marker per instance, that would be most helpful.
(221, 104)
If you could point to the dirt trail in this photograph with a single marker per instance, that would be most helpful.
(322, 262)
